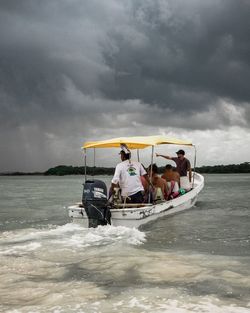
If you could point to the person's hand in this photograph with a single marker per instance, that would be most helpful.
(157, 154)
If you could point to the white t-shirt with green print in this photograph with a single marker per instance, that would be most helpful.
(128, 175)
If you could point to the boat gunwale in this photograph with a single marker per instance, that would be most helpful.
(191, 193)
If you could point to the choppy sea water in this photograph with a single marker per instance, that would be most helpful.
(196, 261)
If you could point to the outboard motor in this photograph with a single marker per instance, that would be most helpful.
(95, 202)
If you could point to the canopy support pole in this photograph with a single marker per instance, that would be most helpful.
(195, 151)
(85, 165)
(151, 173)
(138, 155)
(94, 164)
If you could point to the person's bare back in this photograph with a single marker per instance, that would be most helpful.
(170, 174)
(157, 181)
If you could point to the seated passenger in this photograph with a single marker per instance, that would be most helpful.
(173, 190)
(159, 184)
(171, 174)
(172, 177)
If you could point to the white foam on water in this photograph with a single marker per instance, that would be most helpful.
(20, 249)
(204, 306)
(172, 300)
(75, 235)
(139, 304)
(42, 278)
(30, 234)
(102, 235)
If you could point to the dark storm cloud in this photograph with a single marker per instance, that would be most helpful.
(193, 46)
(175, 54)
(75, 70)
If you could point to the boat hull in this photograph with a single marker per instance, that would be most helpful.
(135, 217)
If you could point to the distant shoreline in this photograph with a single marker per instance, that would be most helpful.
(63, 170)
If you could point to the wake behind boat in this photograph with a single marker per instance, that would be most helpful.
(96, 209)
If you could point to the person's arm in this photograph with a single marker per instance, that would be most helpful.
(144, 183)
(148, 180)
(164, 156)
(115, 180)
(113, 186)
(144, 174)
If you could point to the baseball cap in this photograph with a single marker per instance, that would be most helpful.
(181, 152)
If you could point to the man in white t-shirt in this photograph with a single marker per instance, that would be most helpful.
(127, 176)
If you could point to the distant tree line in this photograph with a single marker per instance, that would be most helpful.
(21, 173)
(216, 169)
(225, 169)
(62, 170)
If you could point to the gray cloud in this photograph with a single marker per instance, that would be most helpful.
(193, 46)
(77, 70)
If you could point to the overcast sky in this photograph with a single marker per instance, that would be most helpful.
(77, 70)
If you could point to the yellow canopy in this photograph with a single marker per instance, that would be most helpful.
(136, 142)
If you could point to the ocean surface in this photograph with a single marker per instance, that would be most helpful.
(195, 261)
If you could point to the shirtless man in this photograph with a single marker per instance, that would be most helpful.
(173, 180)
(157, 181)
(169, 174)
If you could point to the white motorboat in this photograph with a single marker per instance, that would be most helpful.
(130, 214)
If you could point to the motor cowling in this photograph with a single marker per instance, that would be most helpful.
(95, 202)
